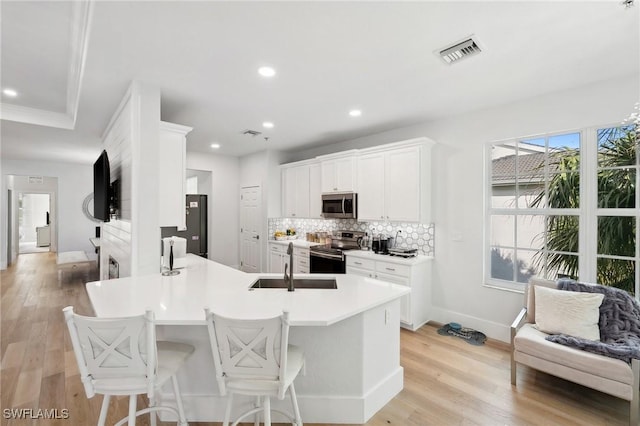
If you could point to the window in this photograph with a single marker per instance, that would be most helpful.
(563, 205)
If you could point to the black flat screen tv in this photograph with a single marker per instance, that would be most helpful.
(101, 187)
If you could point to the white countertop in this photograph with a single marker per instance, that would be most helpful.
(180, 299)
(296, 243)
(366, 254)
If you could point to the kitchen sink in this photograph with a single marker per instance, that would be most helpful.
(316, 283)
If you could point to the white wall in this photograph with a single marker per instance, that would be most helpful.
(458, 192)
(223, 205)
(75, 182)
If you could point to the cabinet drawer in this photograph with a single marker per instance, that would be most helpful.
(303, 270)
(362, 272)
(356, 262)
(303, 262)
(393, 269)
(277, 248)
(301, 252)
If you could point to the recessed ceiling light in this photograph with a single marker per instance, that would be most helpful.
(267, 124)
(215, 145)
(10, 92)
(355, 113)
(266, 71)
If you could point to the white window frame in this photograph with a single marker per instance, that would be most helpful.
(588, 211)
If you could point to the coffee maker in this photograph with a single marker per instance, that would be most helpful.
(379, 244)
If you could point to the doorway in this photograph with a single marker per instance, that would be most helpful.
(34, 220)
(18, 225)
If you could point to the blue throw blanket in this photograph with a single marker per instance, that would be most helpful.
(619, 323)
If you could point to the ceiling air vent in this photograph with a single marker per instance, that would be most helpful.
(251, 132)
(460, 50)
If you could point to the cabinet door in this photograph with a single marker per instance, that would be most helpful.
(345, 174)
(405, 302)
(371, 187)
(276, 264)
(301, 190)
(315, 192)
(295, 186)
(171, 180)
(276, 257)
(402, 185)
(289, 189)
(328, 176)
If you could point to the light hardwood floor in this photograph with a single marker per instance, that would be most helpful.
(447, 381)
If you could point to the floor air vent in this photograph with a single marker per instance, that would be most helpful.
(460, 50)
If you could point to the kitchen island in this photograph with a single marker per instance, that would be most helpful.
(350, 335)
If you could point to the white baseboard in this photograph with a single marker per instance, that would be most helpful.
(493, 330)
(335, 409)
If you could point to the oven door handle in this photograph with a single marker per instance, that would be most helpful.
(326, 255)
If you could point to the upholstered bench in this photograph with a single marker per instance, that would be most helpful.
(69, 261)
(605, 374)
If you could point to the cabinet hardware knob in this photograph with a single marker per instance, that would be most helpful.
(390, 269)
(358, 263)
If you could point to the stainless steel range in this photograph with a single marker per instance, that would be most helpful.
(330, 259)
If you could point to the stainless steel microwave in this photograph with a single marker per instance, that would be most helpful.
(340, 205)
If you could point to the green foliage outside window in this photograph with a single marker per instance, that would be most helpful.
(617, 157)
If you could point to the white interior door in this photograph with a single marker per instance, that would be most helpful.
(250, 214)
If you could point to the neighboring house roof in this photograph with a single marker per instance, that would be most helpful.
(530, 168)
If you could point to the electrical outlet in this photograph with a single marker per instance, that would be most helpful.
(387, 316)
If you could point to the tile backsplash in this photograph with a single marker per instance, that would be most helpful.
(411, 235)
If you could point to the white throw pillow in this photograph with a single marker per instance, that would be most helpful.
(568, 312)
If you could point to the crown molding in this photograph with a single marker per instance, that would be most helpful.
(40, 117)
(81, 15)
(80, 22)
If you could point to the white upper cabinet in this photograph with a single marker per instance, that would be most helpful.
(172, 155)
(338, 174)
(315, 191)
(301, 190)
(402, 185)
(394, 182)
(371, 187)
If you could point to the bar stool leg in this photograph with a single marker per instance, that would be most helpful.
(103, 410)
(132, 409)
(267, 411)
(294, 402)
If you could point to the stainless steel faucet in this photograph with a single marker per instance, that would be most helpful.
(289, 278)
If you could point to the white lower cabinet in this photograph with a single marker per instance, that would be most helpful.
(300, 260)
(405, 302)
(278, 257)
(413, 273)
